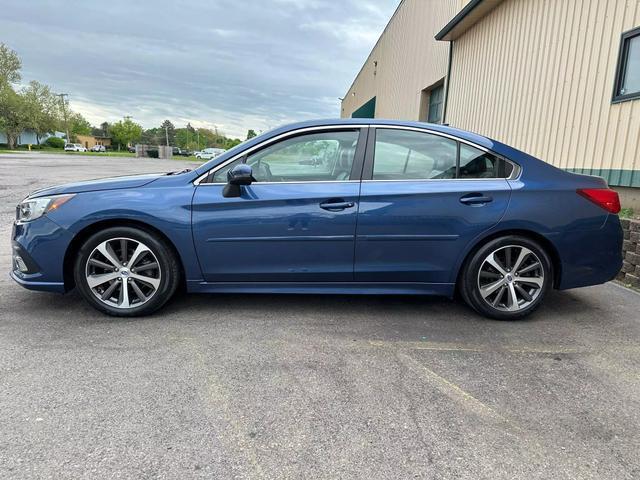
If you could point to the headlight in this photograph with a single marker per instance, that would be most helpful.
(32, 208)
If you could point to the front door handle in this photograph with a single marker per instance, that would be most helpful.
(476, 199)
(336, 206)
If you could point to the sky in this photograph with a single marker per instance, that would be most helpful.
(232, 64)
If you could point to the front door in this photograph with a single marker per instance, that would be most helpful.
(295, 223)
(424, 197)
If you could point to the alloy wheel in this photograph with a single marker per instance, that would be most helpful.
(511, 278)
(123, 273)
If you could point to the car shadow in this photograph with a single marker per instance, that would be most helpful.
(304, 308)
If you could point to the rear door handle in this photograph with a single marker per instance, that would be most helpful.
(336, 206)
(475, 199)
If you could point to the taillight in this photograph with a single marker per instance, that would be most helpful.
(603, 197)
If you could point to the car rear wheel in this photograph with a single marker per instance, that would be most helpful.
(508, 278)
(126, 272)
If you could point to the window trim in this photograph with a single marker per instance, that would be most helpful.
(356, 170)
(363, 171)
(621, 66)
(367, 173)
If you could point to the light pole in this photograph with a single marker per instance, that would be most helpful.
(64, 113)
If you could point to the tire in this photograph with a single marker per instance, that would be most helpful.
(489, 282)
(149, 268)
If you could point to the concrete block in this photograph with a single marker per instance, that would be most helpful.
(628, 267)
(626, 234)
(625, 223)
(627, 246)
(632, 280)
(634, 237)
(632, 257)
(634, 226)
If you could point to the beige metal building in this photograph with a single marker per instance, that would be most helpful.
(559, 79)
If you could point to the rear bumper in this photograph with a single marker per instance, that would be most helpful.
(590, 257)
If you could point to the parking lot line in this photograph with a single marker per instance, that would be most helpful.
(453, 391)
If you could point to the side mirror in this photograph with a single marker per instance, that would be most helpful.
(236, 177)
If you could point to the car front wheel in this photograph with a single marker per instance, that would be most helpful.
(507, 278)
(126, 272)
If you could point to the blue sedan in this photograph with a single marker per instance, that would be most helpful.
(341, 207)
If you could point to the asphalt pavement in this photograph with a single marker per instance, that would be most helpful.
(306, 387)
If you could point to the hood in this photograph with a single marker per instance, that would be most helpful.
(113, 183)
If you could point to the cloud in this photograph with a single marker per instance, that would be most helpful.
(237, 65)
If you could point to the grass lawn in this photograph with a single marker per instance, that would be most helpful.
(59, 151)
(114, 153)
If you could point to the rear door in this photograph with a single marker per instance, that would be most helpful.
(295, 223)
(424, 197)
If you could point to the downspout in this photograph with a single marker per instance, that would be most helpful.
(447, 83)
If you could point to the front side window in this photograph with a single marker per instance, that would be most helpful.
(409, 155)
(314, 157)
(627, 86)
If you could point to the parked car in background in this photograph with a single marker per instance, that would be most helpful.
(181, 152)
(131, 149)
(74, 147)
(209, 153)
(98, 148)
(346, 206)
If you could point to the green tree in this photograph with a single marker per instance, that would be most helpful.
(43, 109)
(78, 125)
(10, 65)
(153, 136)
(231, 142)
(14, 114)
(169, 132)
(251, 133)
(125, 132)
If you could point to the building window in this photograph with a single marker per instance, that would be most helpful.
(436, 102)
(627, 86)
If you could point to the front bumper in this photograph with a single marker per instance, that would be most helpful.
(55, 287)
(38, 250)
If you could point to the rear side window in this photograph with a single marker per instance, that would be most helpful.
(475, 163)
(411, 155)
(408, 155)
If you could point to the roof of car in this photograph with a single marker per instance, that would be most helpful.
(463, 134)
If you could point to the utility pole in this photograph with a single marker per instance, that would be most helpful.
(64, 113)
(198, 131)
(166, 133)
